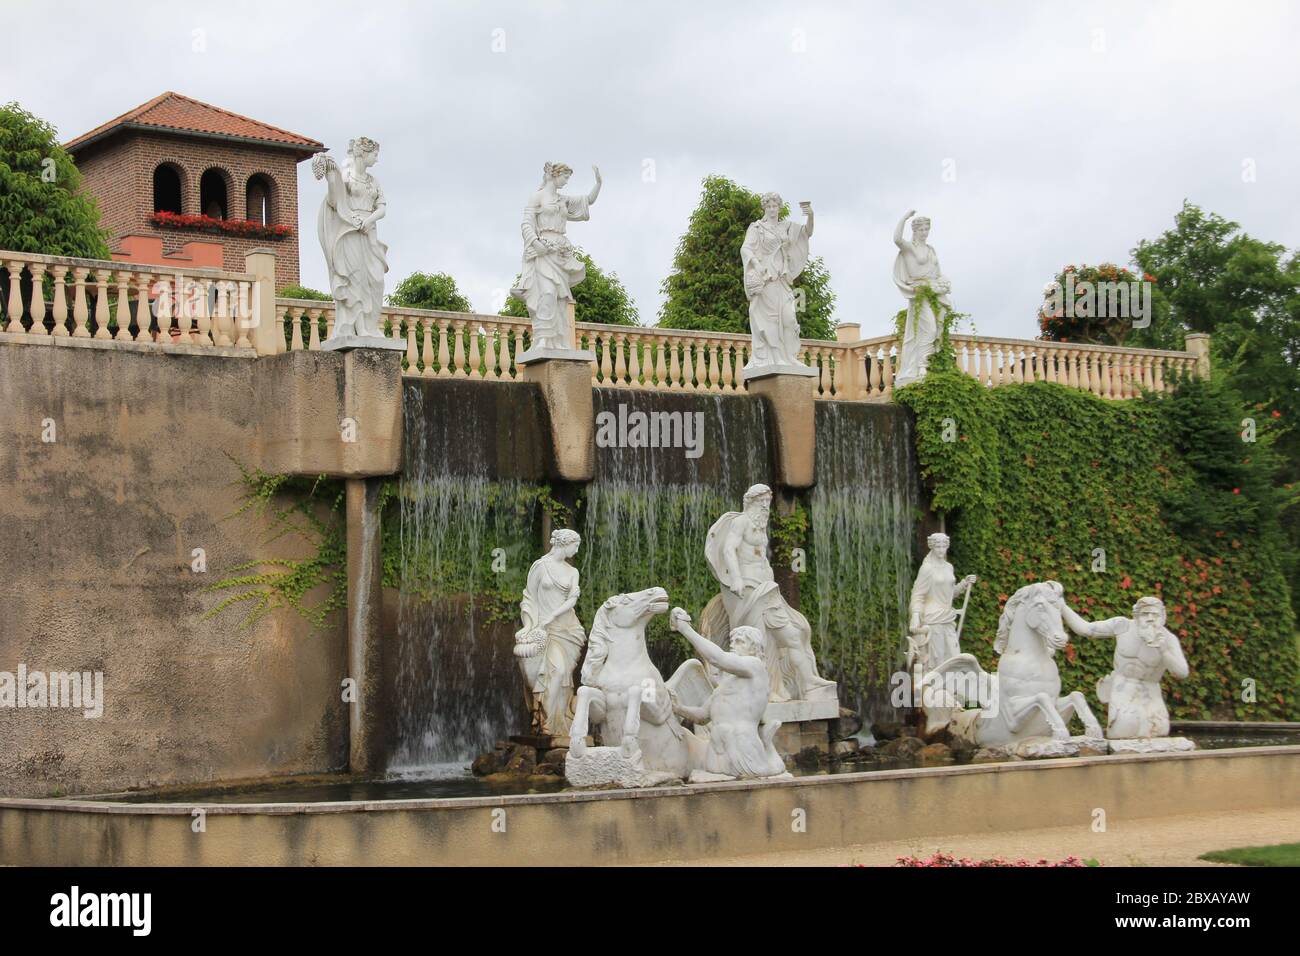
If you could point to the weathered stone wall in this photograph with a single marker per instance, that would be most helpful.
(97, 530)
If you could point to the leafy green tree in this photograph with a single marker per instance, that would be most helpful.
(43, 208)
(424, 290)
(1067, 316)
(600, 298)
(706, 289)
(1246, 293)
(303, 292)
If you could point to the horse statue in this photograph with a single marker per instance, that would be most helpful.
(1023, 699)
(623, 692)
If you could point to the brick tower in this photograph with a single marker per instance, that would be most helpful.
(180, 156)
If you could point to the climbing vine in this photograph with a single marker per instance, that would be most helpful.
(310, 510)
(1117, 499)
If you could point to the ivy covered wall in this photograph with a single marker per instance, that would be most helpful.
(1118, 499)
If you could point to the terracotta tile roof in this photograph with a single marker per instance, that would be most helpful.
(172, 111)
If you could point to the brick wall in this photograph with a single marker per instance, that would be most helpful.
(119, 172)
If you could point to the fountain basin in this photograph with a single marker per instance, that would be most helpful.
(645, 826)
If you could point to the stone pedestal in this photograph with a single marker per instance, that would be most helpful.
(565, 380)
(795, 737)
(1151, 745)
(791, 390)
(344, 343)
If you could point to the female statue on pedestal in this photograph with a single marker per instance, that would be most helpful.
(551, 640)
(932, 622)
(775, 252)
(356, 259)
(917, 265)
(551, 269)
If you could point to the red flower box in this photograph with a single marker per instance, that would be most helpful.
(229, 227)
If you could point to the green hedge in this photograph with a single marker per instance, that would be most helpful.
(1036, 477)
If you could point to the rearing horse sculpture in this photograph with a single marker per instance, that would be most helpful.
(1023, 699)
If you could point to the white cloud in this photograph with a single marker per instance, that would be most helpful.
(1064, 152)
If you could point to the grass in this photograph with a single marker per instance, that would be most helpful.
(1280, 854)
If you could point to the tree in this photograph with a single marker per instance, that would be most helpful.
(303, 292)
(599, 298)
(706, 289)
(43, 208)
(1106, 305)
(423, 290)
(1246, 293)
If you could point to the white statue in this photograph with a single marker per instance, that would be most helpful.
(917, 266)
(731, 713)
(1022, 702)
(934, 626)
(774, 253)
(551, 640)
(1144, 651)
(354, 256)
(736, 550)
(551, 269)
(644, 743)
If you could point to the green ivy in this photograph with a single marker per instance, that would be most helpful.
(1032, 479)
(307, 508)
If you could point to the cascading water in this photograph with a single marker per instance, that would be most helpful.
(863, 514)
(464, 541)
(648, 511)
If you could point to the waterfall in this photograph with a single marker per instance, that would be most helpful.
(460, 553)
(863, 513)
(648, 511)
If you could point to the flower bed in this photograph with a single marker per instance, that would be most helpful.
(230, 227)
(946, 859)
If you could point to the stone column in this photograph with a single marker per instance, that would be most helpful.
(1198, 343)
(793, 400)
(565, 378)
(365, 576)
(266, 338)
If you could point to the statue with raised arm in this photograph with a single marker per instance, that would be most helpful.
(773, 255)
(354, 257)
(740, 741)
(1144, 652)
(933, 624)
(915, 268)
(551, 640)
(551, 268)
(736, 549)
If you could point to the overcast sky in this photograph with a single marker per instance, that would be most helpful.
(1068, 131)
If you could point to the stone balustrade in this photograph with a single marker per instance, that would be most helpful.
(61, 297)
(58, 297)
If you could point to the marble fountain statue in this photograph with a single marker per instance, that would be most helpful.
(550, 266)
(916, 268)
(773, 256)
(354, 257)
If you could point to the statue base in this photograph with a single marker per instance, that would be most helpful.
(794, 711)
(751, 372)
(344, 343)
(1151, 745)
(799, 736)
(1045, 748)
(564, 377)
(611, 767)
(543, 355)
(791, 392)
